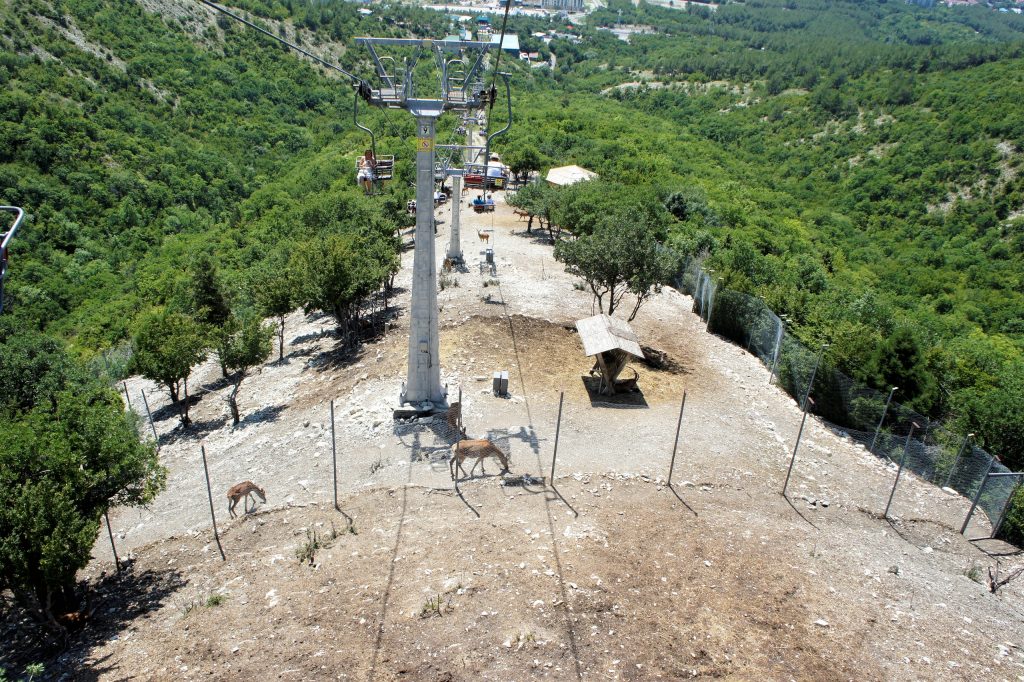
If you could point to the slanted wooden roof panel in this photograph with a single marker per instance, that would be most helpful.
(602, 333)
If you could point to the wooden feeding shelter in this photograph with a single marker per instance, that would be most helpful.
(611, 342)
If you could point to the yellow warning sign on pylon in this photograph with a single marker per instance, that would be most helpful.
(424, 144)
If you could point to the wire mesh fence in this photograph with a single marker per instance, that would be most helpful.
(865, 415)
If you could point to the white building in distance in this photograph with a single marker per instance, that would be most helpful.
(563, 5)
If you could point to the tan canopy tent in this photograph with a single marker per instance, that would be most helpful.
(569, 175)
(611, 342)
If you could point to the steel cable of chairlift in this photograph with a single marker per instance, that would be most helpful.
(356, 81)
(497, 60)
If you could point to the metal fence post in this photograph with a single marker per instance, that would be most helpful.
(149, 414)
(878, 428)
(213, 517)
(110, 533)
(959, 454)
(675, 445)
(713, 289)
(803, 420)
(124, 384)
(814, 372)
(334, 457)
(778, 350)
(1006, 507)
(558, 430)
(977, 495)
(899, 472)
(792, 459)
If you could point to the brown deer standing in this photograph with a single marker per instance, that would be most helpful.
(477, 449)
(485, 237)
(454, 419)
(246, 489)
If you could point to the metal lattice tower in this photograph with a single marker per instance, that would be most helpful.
(462, 89)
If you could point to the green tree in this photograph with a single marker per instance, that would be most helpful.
(899, 361)
(274, 290)
(996, 414)
(68, 450)
(537, 199)
(247, 346)
(579, 207)
(167, 345)
(622, 254)
(523, 161)
(209, 302)
(336, 275)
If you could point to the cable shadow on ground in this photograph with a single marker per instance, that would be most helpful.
(560, 496)
(386, 598)
(570, 630)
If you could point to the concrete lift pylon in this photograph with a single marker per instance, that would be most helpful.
(423, 392)
(462, 89)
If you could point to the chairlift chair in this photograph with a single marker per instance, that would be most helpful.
(392, 90)
(384, 167)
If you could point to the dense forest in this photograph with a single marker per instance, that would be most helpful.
(855, 164)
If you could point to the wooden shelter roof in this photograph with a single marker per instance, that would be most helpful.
(602, 333)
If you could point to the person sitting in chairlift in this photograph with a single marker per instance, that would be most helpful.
(366, 173)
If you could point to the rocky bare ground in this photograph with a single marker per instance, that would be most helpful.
(614, 575)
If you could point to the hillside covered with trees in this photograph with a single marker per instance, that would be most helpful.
(855, 164)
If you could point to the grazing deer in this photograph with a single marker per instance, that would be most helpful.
(485, 237)
(477, 449)
(244, 489)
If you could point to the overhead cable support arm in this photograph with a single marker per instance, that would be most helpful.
(5, 241)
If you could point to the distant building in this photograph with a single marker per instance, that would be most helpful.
(510, 44)
(563, 5)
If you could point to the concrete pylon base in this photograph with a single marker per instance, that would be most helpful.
(418, 410)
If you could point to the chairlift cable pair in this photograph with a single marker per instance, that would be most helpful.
(355, 79)
(361, 86)
(497, 60)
